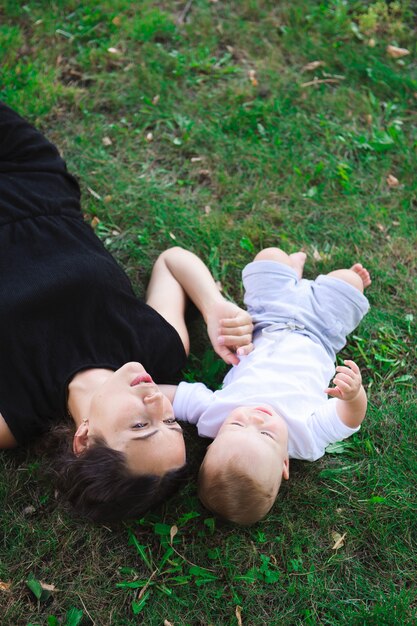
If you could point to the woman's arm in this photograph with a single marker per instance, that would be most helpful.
(6, 438)
(178, 274)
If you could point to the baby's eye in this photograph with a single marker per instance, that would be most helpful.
(139, 425)
(263, 432)
(170, 420)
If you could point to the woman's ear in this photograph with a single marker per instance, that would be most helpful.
(80, 441)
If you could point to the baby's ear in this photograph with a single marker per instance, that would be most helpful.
(286, 469)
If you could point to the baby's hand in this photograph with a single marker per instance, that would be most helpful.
(230, 330)
(348, 381)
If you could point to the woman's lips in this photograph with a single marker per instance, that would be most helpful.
(143, 378)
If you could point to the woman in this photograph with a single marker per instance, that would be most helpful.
(75, 339)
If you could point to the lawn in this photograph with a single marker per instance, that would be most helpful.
(225, 127)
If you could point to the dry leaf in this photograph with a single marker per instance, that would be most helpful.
(395, 223)
(339, 540)
(380, 227)
(149, 137)
(168, 623)
(313, 65)
(95, 222)
(5, 586)
(397, 53)
(368, 119)
(47, 587)
(196, 159)
(372, 43)
(172, 236)
(117, 20)
(392, 181)
(155, 99)
(252, 78)
(29, 510)
(238, 613)
(113, 50)
(316, 255)
(108, 199)
(207, 209)
(174, 529)
(94, 193)
(106, 141)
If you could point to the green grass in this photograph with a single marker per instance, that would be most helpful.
(217, 145)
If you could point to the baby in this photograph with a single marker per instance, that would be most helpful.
(273, 405)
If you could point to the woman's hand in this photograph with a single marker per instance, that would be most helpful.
(230, 331)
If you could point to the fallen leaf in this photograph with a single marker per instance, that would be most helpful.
(117, 20)
(392, 181)
(380, 227)
(155, 99)
(113, 50)
(172, 236)
(196, 159)
(252, 78)
(106, 141)
(108, 199)
(238, 613)
(395, 223)
(168, 623)
(372, 43)
(149, 137)
(94, 193)
(174, 529)
(397, 53)
(368, 119)
(207, 209)
(339, 540)
(313, 65)
(94, 222)
(47, 587)
(316, 255)
(29, 510)
(5, 586)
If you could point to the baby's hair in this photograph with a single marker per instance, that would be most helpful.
(231, 492)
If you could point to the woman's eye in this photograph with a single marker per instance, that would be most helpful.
(170, 420)
(263, 432)
(139, 425)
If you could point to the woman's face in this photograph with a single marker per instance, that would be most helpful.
(131, 414)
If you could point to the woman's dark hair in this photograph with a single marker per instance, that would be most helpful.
(100, 486)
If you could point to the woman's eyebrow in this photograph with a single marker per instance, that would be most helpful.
(153, 432)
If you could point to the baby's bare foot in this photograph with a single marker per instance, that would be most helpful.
(298, 260)
(363, 273)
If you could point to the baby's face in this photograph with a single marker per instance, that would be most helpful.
(260, 436)
(260, 420)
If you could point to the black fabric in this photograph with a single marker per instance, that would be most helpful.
(65, 303)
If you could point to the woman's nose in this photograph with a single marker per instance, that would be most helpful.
(154, 398)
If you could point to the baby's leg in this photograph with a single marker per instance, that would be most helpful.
(358, 276)
(295, 260)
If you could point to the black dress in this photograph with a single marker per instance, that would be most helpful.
(65, 303)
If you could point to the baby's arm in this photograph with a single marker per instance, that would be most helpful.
(352, 400)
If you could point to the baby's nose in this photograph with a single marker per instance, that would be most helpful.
(257, 419)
